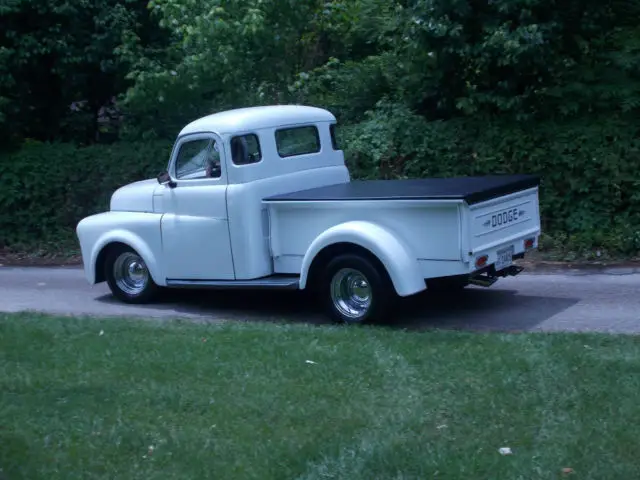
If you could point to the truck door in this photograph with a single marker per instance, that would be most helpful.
(195, 227)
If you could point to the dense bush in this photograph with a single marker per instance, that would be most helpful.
(589, 193)
(589, 167)
(47, 188)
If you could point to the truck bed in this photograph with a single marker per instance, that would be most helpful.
(470, 189)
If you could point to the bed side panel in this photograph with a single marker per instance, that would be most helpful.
(430, 230)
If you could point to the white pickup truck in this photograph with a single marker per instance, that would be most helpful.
(260, 198)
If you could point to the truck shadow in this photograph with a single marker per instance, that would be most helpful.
(470, 309)
(478, 309)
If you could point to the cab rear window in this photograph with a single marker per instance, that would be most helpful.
(297, 141)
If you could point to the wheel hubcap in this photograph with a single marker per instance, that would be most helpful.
(130, 273)
(351, 293)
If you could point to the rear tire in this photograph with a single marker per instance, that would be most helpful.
(354, 290)
(128, 276)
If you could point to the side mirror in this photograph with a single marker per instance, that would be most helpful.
(164, 179)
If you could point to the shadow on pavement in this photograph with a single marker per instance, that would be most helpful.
(480, 310)
(469, 309)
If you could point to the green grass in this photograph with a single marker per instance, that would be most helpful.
(240, 401)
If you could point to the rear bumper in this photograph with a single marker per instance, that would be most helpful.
(500, 257)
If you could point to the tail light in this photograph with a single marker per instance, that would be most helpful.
(481, 261)
(529, 243)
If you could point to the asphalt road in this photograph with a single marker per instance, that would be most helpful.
(570, 301)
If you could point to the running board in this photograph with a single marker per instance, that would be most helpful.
(275, 282)
(491, 278)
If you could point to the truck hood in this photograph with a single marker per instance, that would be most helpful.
(135, 197)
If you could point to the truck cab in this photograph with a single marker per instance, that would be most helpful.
(261, 198)
(221, 168)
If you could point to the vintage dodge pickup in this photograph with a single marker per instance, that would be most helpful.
(261, 198)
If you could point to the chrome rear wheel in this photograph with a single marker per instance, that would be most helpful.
(351, 293)
(355, 289)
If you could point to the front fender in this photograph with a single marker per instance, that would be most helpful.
(140, 231)
(401, 265)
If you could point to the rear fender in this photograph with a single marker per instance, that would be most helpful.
(396, 257)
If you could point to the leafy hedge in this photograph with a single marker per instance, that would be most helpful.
(590, 195)
(47, 188)
(590, 192)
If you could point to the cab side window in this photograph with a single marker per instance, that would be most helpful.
(198, 158)
(245, 149)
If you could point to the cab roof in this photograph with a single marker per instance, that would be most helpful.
(256, 118)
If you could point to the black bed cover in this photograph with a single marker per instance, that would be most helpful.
(470, 189)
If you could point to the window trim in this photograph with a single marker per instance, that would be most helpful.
(299, 127)
(211, 137)
(246, 134)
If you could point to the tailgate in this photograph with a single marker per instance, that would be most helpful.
(503, 220)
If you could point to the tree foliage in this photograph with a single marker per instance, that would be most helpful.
(532, 59)
(59, 66)
(529, 59)
(234, 53)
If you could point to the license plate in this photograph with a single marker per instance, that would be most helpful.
(505, 258)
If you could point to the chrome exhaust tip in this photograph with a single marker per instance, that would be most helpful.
(511, 271)
(483, 280)
(491, 278)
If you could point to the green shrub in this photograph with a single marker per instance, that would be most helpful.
(48, 188)
(589, 166)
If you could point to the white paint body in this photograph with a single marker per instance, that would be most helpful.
(221, 229)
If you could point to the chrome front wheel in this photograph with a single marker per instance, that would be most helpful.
(351, 293)
(128, 276)
(130, 273)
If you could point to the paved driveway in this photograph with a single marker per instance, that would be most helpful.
(572, 301)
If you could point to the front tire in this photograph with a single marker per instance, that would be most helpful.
(354, 290)
(128, 276)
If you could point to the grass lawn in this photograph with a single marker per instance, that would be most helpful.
(152, 400)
